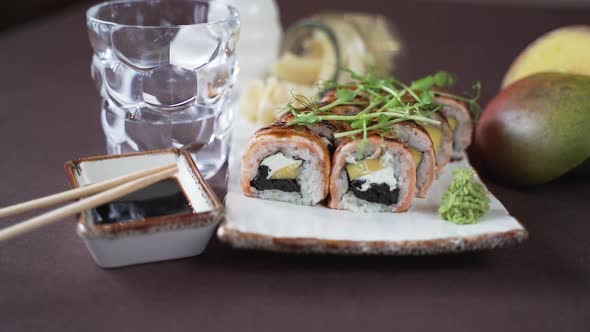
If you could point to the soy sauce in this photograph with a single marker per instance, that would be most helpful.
(160, 199)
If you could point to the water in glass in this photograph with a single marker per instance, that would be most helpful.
(165, 70)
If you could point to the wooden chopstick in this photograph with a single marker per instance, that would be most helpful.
(84, 204)
(78, 192)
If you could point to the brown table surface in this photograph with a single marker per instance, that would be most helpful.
(49, 282)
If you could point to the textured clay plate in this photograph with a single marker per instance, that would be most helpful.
(268, 225)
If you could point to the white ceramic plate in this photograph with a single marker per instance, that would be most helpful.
(269, 225)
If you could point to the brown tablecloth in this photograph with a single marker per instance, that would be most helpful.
(48, 281)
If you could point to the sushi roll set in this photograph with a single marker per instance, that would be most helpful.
(371, 145)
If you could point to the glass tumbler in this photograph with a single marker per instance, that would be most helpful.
(165, 71)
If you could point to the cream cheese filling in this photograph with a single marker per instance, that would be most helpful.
(281, 166)
(384, 175)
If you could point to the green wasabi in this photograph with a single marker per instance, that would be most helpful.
(465, 200)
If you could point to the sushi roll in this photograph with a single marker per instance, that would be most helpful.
(442, 140)
(324, 129)
(460, 122)
(378, 175)
(441, 136)
(420, 145)
(288, 164)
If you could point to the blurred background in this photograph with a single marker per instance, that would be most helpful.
(14, 13)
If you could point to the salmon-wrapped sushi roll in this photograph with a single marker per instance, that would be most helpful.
(288, 164)
(420, 145)
(324, 129)
(376, 176)
(460, 122)
(442, 140)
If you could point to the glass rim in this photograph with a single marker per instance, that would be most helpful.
(91, 14)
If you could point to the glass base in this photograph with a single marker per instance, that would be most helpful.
(206, 137)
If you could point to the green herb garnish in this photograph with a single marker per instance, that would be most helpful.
(465, 200)
(384, 101)
(441, 79)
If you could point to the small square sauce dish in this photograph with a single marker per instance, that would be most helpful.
(171, 219)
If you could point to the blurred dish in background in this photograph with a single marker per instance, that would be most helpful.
(262, 98)
(339, 40)
(315, 49)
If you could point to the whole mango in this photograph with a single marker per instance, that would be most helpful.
(536, 129)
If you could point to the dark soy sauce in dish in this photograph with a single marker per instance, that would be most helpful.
(160, 199)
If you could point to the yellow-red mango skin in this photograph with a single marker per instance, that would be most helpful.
(536, 129)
